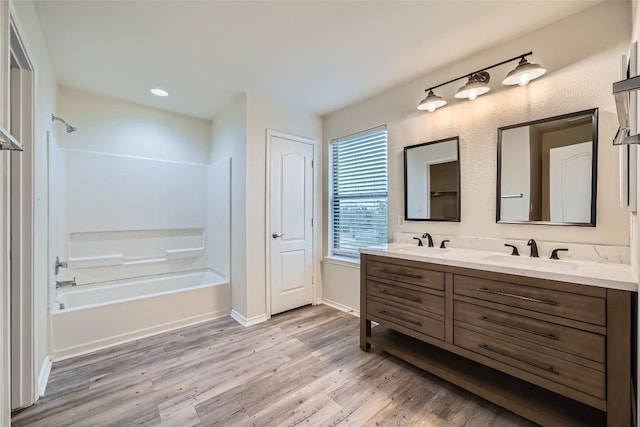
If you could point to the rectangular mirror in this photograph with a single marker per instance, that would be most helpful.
(432, 181)
(547, 171)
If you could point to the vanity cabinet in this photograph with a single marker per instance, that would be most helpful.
(556, 353)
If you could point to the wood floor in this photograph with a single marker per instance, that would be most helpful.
(303, 367)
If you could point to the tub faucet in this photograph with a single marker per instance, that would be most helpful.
(534, 248)
(65, 283)
(430, 240)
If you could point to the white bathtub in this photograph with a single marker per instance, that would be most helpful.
(104, 314)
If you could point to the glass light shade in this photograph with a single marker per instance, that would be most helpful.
(524, 73)
(431, 102)
(473, 88)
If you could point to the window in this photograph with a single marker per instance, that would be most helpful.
(358, 191)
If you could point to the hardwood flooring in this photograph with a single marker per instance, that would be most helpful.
(303, 367)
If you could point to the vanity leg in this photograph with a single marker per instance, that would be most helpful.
(365, 331)
(618, 358)
(365, 325)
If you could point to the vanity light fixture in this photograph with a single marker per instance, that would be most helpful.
(524, 73)
(431, 102)
(475, 86)
(477, 83)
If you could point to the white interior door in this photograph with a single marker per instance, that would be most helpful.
(290, 196)
(570, 183)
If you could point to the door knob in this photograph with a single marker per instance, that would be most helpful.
(276, 235)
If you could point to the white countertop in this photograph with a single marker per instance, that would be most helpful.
(606, 275)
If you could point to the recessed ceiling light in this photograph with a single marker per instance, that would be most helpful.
(159, 92)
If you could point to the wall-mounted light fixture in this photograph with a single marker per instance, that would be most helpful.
(477, 83)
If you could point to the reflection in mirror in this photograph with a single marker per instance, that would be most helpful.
(432, 181)
(547, 171)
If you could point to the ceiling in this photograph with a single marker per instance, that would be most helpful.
(313, 56)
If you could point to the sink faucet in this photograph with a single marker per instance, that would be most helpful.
(428, 236)
(514, 249)
(534, 248)
(419, 241)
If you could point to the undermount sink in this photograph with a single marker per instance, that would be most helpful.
(530, 262)
(420, 250)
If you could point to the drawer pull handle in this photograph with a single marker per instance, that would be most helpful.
(549, 369)
(522, 297)
(400, 273)
(518, 328)
(384, 291)
(386, 313)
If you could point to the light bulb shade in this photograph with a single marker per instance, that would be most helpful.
(524, 73)
(476, 86)
(431, 102)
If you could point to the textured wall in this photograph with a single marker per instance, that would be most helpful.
(581, 66)
(582, 55)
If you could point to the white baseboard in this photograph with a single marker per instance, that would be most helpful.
(248, 322)
(341, 307)
(43, 378)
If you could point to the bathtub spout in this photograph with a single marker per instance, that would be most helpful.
(65, 283)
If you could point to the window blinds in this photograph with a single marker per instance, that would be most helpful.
(359, 191)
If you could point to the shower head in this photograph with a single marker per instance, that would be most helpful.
(68, 127)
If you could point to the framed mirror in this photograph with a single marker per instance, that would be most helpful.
(432, 181)
(547, 171)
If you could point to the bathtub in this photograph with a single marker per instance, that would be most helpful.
(104, 314)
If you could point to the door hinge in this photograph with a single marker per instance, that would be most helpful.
(312, 222)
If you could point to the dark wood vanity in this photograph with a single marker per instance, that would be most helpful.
(554, 352)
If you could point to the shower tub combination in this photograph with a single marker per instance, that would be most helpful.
(103, 314)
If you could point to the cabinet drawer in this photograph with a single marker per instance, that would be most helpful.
(418, 322)
(585, 380)
(564, 304)
(574, 341)
(407, 274)
(406, 296)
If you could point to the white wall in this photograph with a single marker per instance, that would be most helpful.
(239, 133)
(107, 125)
(46, 92)
(262, 115)
(582, 54)
(228, 143)
(135, 189)
(218, 228)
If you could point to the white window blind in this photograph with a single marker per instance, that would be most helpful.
(358, 191)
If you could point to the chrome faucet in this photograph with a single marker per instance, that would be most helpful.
(65, 283)
(430, 240)
(534, 248)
